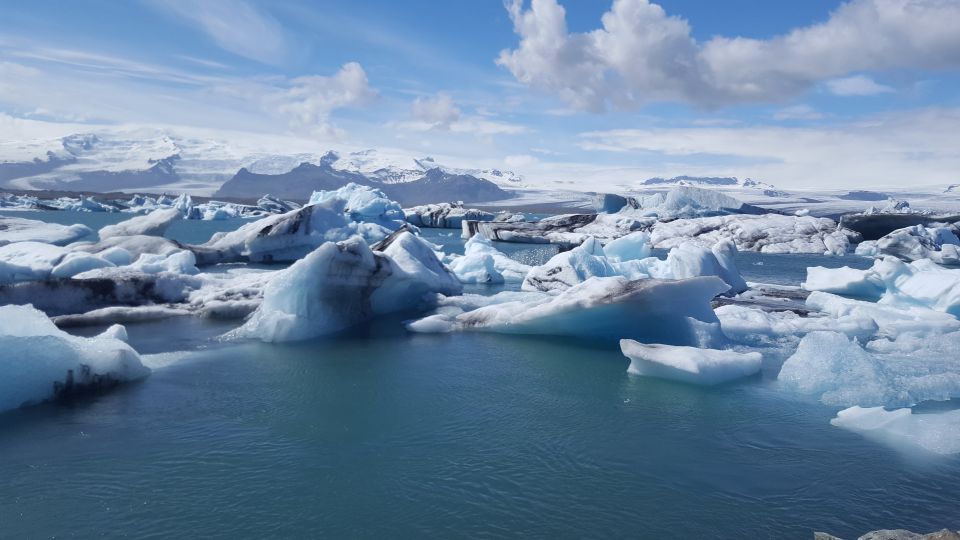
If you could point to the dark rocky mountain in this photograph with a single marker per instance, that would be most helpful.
(436, 185)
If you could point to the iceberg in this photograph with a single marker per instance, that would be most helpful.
(344, 283)
(689, 364)
(569, 268)
(14, 230)
(674, 312)
(331, 216)
(590, 259)
(902, 428)
(767, 233)
(892, 282)
(444, 215)
(937, 242)
(40, 362)
(155, 223)
(688, 202)
(483, 263)
(903, 371)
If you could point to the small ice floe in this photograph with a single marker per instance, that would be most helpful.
(689, 364)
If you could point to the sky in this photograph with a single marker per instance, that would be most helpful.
(584, 92)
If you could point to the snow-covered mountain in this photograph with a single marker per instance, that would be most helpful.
(156, 160)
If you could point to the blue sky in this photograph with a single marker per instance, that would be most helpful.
(796, 93)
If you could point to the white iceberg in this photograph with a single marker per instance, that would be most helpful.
(590, 259)
(155, 223)
(343, 283)
(331, 216)
(903, 371)
(483, 263)
(444, 215)
(892, 282)
(689, 364)
(40, 362)
(903, 429)
(937, 242)
(14, 230)
(674, 312)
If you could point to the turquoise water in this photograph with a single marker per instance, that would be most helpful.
(381, 433)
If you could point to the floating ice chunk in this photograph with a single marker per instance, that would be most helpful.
(891, 372)
(844, 280)
(362, 203)
(601, 308)
(938, 242)
(341, 284)
(689, 364)
(691, 260)
(921, 283)
(155, 223)
(901, 428)
(28, 230)
(40, 362)
(689, 202)
(483, 263)
(634, 246)
(750, 325)
(568, 268)
(444, 215)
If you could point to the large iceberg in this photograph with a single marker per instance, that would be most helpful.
(767, 233)
(444, 215)
(937, 242)
(900, 371)
(40, 362)
(689, 364)
(590, 259)
(343, 283)
(155, 223)
(676, 312)
(331, 216)
(14, 230)
(688, 202)
(892, 282)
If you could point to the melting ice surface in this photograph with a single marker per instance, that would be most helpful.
(380, 432)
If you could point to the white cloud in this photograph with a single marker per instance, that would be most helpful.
(308, 102)
(74, 85)
(520, 161)
(858, 85)
(642, 54)
(797, 112)
(235, 25)
(439, 111)
(902, 149)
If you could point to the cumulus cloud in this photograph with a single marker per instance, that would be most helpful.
(439, 111)
(858, 85)
(309, 100)
(235, 25)
(641, 54)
